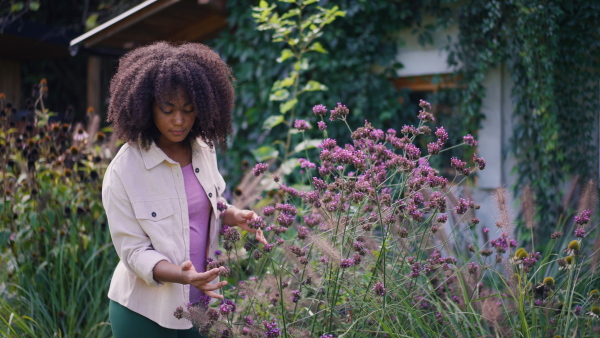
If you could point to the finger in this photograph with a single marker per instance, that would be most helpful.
(212, 287)
(187, 265)
(213, 295)
(208, 276)
(249, 215)
(260, 236)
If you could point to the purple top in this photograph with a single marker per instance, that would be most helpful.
(199, 210)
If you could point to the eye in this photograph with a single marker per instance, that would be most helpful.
(166, 112)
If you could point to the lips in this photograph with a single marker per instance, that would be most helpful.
(177, 132)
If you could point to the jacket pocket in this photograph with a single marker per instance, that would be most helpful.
(157, 220)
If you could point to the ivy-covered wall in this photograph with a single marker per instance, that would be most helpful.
(357, 70)
(549, 48)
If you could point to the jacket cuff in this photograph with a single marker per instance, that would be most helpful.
(145, 266)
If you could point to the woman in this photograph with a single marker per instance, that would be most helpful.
(171, 104)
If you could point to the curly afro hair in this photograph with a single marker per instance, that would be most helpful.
(148, 73)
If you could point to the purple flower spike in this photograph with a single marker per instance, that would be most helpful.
(340, 112)
(301, 125)
(470, 140)
(260, 168)
(379, 289)
(322, 125)
(320, 110)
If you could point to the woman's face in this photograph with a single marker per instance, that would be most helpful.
(174, 115)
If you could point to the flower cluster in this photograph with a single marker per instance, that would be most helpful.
(260, 168)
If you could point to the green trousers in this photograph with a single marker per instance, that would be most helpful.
(128, 324)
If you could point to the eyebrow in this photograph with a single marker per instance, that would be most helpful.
(172, 105)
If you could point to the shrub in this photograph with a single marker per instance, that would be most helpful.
(372, 241)
(56, 255)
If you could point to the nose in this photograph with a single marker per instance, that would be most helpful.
(178, 118)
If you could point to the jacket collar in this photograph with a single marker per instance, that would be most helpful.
(154, 156)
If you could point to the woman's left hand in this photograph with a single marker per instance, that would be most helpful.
(241, 218)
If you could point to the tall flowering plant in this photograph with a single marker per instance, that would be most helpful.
(369, 246)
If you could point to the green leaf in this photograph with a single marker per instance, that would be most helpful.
(34, 5)
(288, 105)
(287, 166)
(318, 47)
(313, 85)
(290, 13)
(17, 7)
(285, 54)
(308, 2)
(309, 144)
(91, 22)
(263, 4)
(301, 65)
(272, 121)
(264, 153)
(279, 95)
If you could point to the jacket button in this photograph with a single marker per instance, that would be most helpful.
(210, 194)
(197, 170)
(153, 214)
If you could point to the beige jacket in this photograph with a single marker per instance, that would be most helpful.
(144, 197)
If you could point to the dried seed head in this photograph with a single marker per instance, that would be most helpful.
(549, 281)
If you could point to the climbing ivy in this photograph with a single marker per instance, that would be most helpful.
(361, 60)
(550, 49)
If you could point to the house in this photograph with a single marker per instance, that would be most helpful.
(152, 20)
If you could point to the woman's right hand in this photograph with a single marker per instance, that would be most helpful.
(201, 280)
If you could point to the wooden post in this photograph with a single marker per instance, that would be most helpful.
(10, 81)
(94, 83)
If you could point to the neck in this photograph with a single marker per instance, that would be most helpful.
(180, 152)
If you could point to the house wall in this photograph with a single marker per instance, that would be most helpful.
(10, 81)
(496, 127)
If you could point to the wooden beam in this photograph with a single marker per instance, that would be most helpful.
(200, 29)
(122, 21)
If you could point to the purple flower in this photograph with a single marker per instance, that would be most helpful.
(424, 104)
(379, 289)
(268, 210)
(256, 223)
(271, 329)
(295, 296)
(578, 309)
(221, 206)
(320, 110)
(580, 232)
(434, 148)
(458, 164)
(306, 163)
(479, 161)
(260, 168)
(301, 125)
(472, 267)
(470, 140)
(346, 263)
(227, 307)
(328, 144)
(302, 233)
(412, 151)
(218, 253)
(584, 218)
(322, 125)
(442, 218)
(463, 206)
(339, 112)
(442, 135)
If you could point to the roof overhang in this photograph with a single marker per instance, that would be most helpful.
(154, 20)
